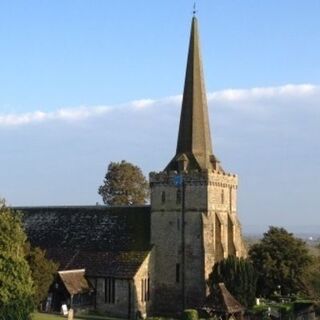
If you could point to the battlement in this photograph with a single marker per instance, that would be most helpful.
(206, 177)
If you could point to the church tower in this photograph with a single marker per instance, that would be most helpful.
(194, 221)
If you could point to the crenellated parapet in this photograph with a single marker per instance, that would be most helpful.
(205, 177)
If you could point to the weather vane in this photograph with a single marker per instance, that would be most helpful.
(194, 9)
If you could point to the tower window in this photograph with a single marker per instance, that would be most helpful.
(222, 196)
(163, 197)
(177, 273)
(178, 199)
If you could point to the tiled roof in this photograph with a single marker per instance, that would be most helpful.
(75, 281)
(121, 264)
(106, 241)
(91, 228)
(223, 301)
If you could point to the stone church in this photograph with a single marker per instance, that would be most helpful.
(153, 259)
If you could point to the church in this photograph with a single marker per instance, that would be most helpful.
(153, 259)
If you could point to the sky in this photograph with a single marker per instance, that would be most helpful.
(83, 83)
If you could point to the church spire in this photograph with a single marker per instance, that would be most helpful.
(194, 148)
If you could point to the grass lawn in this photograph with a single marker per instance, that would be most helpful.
(45, 316)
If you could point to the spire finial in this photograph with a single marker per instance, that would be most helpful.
(194, 9)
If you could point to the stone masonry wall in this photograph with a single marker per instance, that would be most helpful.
(211, 233)
(144, 285)
(120, 306)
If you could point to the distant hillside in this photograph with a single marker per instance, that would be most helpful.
(303, 232)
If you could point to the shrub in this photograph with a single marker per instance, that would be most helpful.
(17, 310)
(190, 314)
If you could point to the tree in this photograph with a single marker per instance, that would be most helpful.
(239, 277)
(312, 275)
(124, 184)
(42, 272)
(16, 287)
(280, 260)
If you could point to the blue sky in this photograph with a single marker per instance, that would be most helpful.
(84, 83)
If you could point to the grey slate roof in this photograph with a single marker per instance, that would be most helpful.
(94, 228)
(106, 241)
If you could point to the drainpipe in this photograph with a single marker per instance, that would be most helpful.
(183, 244)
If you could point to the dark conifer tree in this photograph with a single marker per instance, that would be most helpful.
(239, 277)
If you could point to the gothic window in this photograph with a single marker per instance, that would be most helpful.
(178, 199)
(109, 290)
(163, 197)
(177, 273)
(222, 196)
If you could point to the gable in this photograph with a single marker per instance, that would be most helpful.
(75, 281)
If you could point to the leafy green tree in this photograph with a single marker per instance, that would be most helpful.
(42, 272)
(311, 279)
(280, 260)
(16, 287)
(239, 277)
(124, 184)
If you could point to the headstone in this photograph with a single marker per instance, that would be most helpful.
(64, 309)
(70, 314)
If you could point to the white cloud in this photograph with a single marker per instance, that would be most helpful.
(289, 90)
(143, 103)
(65, 114)
(267, 135)
(244, 99)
